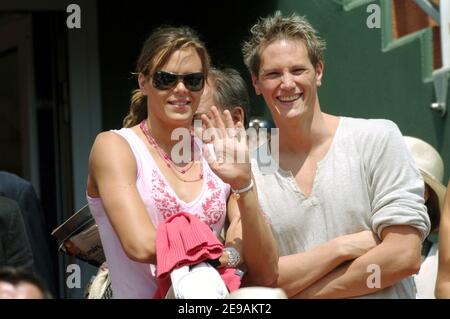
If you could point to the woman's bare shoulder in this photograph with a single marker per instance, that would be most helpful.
(110, 146)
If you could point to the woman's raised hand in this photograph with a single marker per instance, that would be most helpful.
(229, 156)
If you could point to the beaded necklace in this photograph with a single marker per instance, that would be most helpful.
(166, 157)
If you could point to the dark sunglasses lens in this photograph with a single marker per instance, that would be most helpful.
(164, 80)
(194, 81)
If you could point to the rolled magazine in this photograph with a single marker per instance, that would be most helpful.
(78, 236)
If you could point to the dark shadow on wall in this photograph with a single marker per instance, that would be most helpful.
(123, 28)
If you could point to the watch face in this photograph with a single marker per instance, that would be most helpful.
(233, 256)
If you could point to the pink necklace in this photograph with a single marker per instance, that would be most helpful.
(167, 159)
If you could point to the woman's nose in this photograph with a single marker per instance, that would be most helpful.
(180, 87)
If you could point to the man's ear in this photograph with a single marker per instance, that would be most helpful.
(319, 73)
(237, 114)
(142, 80)
(255, 82)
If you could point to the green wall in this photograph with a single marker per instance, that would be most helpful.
(361, 80)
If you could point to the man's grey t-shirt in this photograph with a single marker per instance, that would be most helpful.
(367, 180)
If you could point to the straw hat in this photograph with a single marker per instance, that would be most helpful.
(430, 165)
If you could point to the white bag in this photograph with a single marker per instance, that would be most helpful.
(201, 281)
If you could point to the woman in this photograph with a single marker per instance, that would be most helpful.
(134, 184)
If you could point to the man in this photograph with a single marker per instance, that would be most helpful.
(337, 176)
(22, 191)
(15, 250)
(18, 283)
(225, 89)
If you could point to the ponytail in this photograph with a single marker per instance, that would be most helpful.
(138, 109)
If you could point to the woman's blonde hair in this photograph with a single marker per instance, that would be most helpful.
(156, 51)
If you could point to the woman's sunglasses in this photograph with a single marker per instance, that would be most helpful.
(166, 80)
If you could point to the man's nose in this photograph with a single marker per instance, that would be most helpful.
(287, 81)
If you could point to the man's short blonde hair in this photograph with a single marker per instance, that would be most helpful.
(276, 27)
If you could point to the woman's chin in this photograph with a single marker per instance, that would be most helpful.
(180, 118)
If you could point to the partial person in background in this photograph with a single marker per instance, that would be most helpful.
(335, 176)
(18, 283)
(22, 191)
(225, 89)
(443, 278)
(15, 248)
(431, 166)
(263, 131)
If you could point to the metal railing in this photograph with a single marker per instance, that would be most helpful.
(441, 75)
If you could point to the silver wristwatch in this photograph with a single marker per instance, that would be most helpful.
(233, 256)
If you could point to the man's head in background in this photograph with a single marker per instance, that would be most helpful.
(226, 89)
(19, 283)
